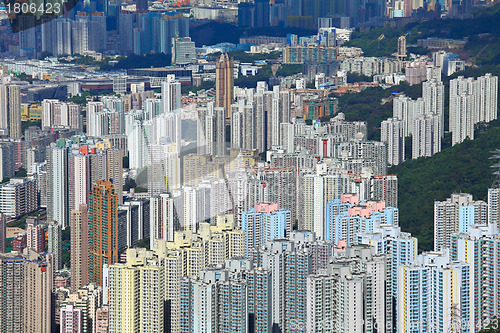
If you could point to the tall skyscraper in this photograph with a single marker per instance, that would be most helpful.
(487, 89)
(54, 243)
(494, 205)
(26, 293)
(433, 96)
(211, 132)
(407, 109)
(426, 139)
(224, 81)
(479, 248)
(236, 298)
(462, 111)
(79, 178)
(347, 216)
(454, 215)
(135, 292)
(7, 168)
(170, 95)
(435, 294)
(393, 135)
(290, 262)
(79, 241)
(114, 165)
(103, 229)
(471, 101)
(361, 300)
(35, 235)
(163, 217)
(402, 47)
(57, 183)
(264, 223)
(10, 109)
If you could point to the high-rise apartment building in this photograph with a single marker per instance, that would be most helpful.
(236, 298)
(26, 293)
(347, 216)
(71, 319)
(494, 205)
(353, 152)
(392, 133)
(211, 133)
(7, 168)
(472, 101)
(123, 289)
(18, 197)
(317, 191)
(290, 262)
(402, 47)
(276, 185)
(426, 139)
(487, 89)
(170, 95)
(135, 294)
(407, 109)
(114, 163)
(163, 168)
(479, 248)
(342, 298)
(264, 223)
(72, 166)
(462, 113)
(79, 176)
(133, 222)
(400, 246)
(242, 125)
(211, 246)
(10, 110)
(103, 229)
(55, 243)
(57, 183)
(88, 300)
(433, 96)
(102, 320)
(385, 188)
(454, 215)
(61, 114)
(79, 241)
(163, 218)
(35, 235)
(434, 293)
(224, 78)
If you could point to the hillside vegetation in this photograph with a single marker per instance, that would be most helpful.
(462, 168)
(482, 31)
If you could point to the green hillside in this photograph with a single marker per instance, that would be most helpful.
(462, 168)
(483, 31)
